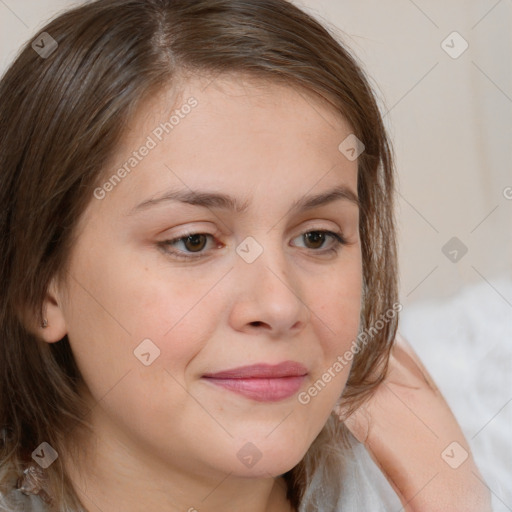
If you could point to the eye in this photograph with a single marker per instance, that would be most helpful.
(317, 238)
(193, 242)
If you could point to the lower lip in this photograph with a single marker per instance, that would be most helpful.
(262, 390)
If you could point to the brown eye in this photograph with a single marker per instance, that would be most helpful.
(192, 243)
(315, 239)
(195, 242)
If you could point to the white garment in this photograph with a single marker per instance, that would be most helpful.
(367, 489)
(364, 488)
(16, 501)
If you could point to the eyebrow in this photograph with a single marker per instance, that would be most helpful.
(217, 200)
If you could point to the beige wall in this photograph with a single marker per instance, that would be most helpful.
(450, 119)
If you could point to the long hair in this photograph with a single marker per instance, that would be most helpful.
(63, 114)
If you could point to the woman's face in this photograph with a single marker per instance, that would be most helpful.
(261, 285)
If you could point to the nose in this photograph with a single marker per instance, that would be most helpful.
(269, 293)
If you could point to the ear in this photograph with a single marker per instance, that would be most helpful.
(53, 313)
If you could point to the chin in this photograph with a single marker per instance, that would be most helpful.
(260, 459)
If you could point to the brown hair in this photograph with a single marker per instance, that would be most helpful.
(62, 117)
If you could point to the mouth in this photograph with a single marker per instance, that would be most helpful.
(261, 382)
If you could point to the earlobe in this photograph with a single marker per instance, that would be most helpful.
(52, 326)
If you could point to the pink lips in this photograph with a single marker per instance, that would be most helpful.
(262, 382)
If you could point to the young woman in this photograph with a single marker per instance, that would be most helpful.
(199, 284)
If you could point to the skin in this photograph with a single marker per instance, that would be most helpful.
(164, 437)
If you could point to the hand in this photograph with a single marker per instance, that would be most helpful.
(406, 426)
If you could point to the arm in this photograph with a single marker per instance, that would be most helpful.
(408, 429)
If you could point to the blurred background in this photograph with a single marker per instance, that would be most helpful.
(443, 75)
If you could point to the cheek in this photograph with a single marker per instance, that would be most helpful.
(339, 306)
(337, 327)
(178, 313)
(118, 312)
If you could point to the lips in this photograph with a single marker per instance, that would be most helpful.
(261, 382)
(262, 371)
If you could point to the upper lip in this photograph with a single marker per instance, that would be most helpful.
(262, 371)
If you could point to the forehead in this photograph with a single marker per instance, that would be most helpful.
(235, 133)
(236, 105)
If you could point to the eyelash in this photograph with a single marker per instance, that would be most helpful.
(339, 240)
